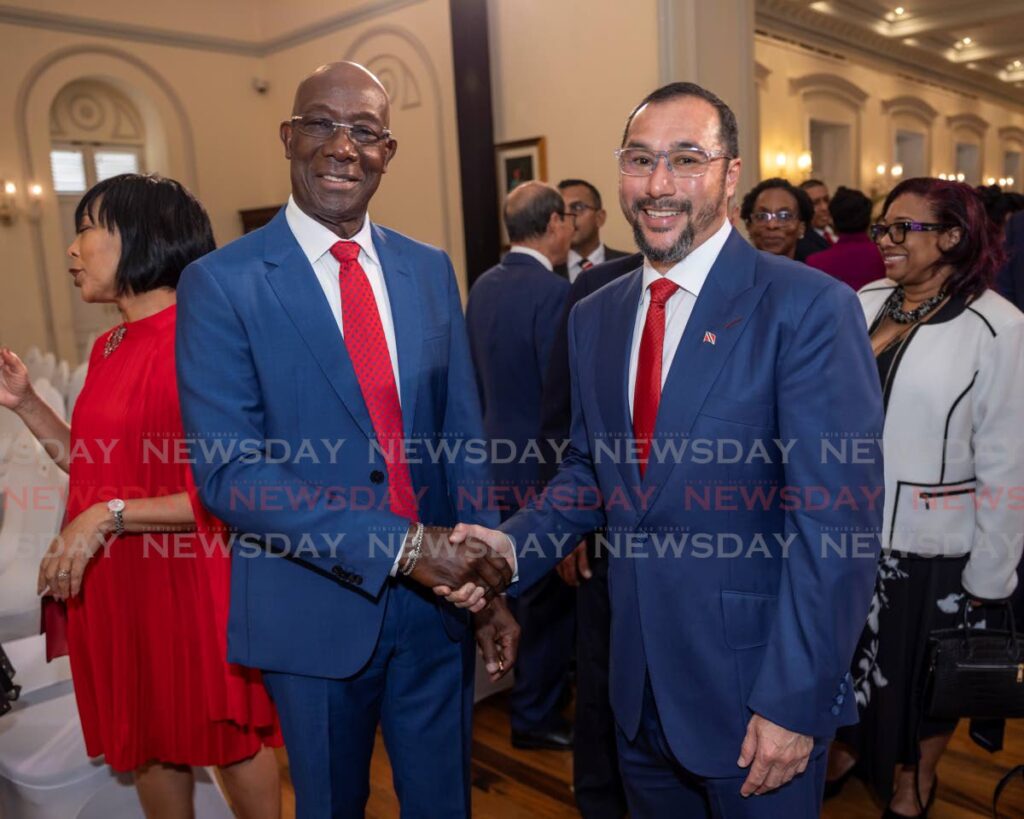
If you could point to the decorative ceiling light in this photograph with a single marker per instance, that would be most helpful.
(899, 11)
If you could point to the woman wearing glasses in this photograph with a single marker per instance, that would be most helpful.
(949, 353)
(777, 215)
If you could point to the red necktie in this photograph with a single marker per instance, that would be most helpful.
(585, 264)
(647, 391)
(368, 348)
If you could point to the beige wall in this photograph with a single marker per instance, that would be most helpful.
(857, 93)
(556, 74)
(207, 127)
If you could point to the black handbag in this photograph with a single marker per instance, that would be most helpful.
(9, 692)
(976, 672)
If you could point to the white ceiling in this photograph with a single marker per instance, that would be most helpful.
(928, 37)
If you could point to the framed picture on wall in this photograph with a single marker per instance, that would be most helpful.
(520, 161)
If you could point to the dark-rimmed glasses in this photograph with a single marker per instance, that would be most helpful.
(897, 231)
(579, 208)
(684, 162)
(323, 129)
(764, 217)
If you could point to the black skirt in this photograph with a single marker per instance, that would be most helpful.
(914, 595)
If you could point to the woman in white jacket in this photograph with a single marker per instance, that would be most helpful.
(950, 355)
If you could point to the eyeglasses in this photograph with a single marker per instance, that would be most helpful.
(686, 163)
(568, 214)
(579, 208)
(764, 217)
(897, 231)
(323, 129)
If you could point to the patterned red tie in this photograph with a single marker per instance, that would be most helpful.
(647, 391)
(368, 348)
(585, 264)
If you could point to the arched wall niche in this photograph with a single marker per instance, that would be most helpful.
(169, 149)
(832, 113)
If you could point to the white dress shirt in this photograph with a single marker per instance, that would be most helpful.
(536, 254)
(574, 262)
(690, 275)
(316, 242)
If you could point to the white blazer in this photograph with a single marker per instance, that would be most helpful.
(953, 441)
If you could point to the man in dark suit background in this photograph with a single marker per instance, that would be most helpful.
(1010, 281)
(597, 785)
(512, 317)
(821, 236)
(853, 259)
(583, 201)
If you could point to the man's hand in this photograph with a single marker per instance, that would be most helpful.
(450, 562)
(470, 595)
(497, 634)
(576, 566)
(777, 754)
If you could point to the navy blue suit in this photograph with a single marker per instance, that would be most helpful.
(264, 372)
(728, 595)
(512, 317)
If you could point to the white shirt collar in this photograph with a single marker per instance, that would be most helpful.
(691, 273)
(316, 240)
(536, 254)
(596, 257)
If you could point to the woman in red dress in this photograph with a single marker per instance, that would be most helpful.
(139, 563)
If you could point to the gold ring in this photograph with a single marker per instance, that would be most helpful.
(63, 573)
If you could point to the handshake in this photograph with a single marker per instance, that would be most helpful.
(469, 565)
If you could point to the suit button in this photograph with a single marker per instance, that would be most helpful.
(842, 687)
(836, 710)
(357, 579)
(377, 476)
(840, 699)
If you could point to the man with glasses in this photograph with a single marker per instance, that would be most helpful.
(512, 317)
(342, 342)
(583, 200)
(737, 592)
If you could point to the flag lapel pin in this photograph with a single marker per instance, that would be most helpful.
(709, 337)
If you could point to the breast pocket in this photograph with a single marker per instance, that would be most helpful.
(748, 413)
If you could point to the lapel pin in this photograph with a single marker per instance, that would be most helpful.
(709, 337)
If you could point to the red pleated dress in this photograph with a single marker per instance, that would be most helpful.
(147, 634)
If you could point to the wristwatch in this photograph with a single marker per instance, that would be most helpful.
(116, 507)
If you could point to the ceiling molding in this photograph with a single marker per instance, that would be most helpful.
(967, 14)
(67, 23)
(799, 23)
(832, 83)
(968, 122)
(910, 105)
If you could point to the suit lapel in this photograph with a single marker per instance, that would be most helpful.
(615, 338)
(728, 298)
(403, 293)
(294, 283)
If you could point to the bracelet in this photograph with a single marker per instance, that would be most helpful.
(414, 552)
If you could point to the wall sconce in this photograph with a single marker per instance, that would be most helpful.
(805, 161)
(8, 203)
(880, 169)
(9, 209)
(896, 171)
(781, 160)
(991, 180)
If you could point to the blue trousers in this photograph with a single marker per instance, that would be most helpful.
(658, 787)
(418, 686)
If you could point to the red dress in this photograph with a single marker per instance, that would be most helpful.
(147, 633)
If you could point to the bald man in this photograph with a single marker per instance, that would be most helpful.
(512, 316)
(327, 356)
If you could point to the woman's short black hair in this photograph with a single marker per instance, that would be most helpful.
(162, 226)
(804, 205)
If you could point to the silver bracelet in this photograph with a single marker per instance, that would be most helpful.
(414, 553)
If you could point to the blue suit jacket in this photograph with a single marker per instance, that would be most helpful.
(282, 449)
(755, 613)
(512, 318)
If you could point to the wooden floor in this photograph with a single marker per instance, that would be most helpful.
(511, 784)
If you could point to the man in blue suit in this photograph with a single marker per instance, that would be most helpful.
(512, 318)
(718, 397)
(322, 361)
